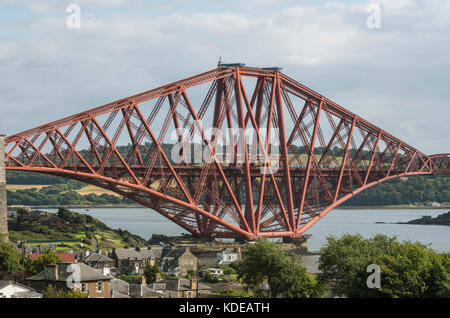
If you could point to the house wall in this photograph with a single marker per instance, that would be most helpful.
(92, 290)
(186, 263)
(90, 286)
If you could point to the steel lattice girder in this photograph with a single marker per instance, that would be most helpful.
(326, 153)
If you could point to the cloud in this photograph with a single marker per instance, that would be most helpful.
(395, 76)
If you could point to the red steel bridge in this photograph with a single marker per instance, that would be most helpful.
(327, 154)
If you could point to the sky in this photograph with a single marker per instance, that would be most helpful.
(396, 76)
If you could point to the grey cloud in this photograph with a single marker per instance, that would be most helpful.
(396, 77)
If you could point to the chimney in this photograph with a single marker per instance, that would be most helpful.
(194, 283)
(238, 251)
(158, 277)
(106, 270)
(143, 280)
(51, 272)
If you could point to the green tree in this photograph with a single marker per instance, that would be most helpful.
(265, 261)
(39, 264)
(407, 269)
(342, 259)
(412, 270)
(10, 258)
(150, 273)
(52, 292)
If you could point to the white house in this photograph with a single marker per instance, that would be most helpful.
(215, 271)
(228, 255)
(10, 289)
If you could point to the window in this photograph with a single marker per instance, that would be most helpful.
(83, 287)
(100, 286)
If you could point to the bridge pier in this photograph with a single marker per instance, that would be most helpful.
(298, 241)
(3, 210)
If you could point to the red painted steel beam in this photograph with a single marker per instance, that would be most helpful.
(204, 215)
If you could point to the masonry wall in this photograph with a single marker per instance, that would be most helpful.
(3, 211)
(187, 262)
(90, 286)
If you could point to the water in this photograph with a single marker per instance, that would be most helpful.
(145, 222)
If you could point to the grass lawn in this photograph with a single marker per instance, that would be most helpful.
(88, 189)
(15, 187)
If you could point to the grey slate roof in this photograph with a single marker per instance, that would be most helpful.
(137, 290)
(122, 288)
(97, 257)
(119, 286)
(176, 284)
(132, 253)
(39, 249)
(175, 253)
(86, 273)
(28, 294)
(228, 250)
(116, 294)
(31, 293)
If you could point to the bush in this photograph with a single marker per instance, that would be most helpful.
(407, 269)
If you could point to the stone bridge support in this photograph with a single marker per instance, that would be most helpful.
(3, 210)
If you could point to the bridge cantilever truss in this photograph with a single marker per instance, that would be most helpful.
(326, 153)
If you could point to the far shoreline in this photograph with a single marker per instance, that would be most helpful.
(138, 206)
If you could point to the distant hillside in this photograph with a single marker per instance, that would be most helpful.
(405, 191)
(69, 230)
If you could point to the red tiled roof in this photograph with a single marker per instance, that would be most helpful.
(65, 257)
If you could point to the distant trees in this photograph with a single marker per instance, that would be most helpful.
(61, 194)
(265, 261)
(407, 269)
(411, 190)
(22, 177)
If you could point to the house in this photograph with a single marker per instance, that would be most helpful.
(11, 213)
(228, 255)
(122, 289)
(433, 204)
(181, 287)
(98, 261)
(52, 220)
(37, 249)
(89, 280)
(11, 289)
(179, 262)
(65, 257)
(134, 260)
(214, 271)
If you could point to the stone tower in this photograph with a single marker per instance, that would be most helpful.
(3, 211)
